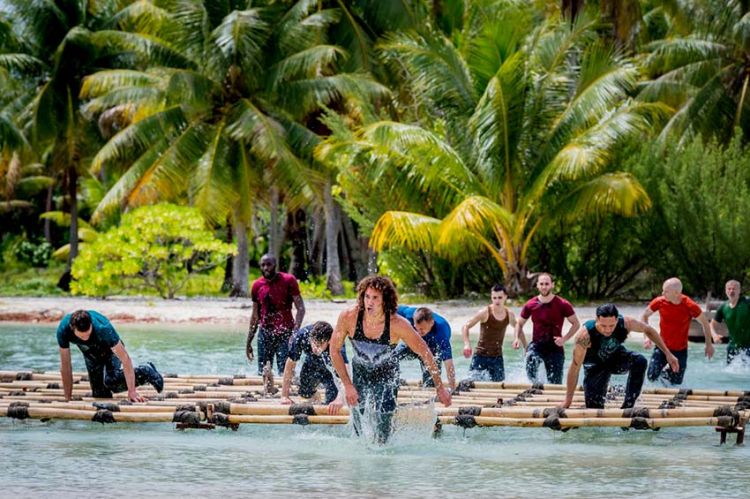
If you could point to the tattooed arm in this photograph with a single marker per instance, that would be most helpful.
(583, 342)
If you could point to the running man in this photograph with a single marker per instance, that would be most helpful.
(312, 340)
(374, 328)
(548, 312)
(675, 313)
(736, 313)
(273, 294)
(107, 362)
(493, 320)
(436, 332)
(599, 348)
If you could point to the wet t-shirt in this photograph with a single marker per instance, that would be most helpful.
(548, 318)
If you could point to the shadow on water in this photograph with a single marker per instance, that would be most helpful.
(91, 460)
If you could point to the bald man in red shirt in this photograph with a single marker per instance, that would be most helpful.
(675, 313)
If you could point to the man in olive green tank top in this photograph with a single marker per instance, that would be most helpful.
(487, 361)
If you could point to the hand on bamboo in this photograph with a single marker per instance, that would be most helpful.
(286, 401)
(335, 406)
(566, 403)
(444, 396)
(352, 397)
(134, 396)
(647, 343)
(467, 350)
(709, 350)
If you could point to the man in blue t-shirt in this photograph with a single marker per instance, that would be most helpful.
(312, 340)
(107, 362)
(436, 332)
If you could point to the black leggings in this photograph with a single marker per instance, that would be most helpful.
(596, 378)
(108, 377)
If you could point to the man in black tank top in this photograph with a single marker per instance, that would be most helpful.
(374, 328)
(599, 348)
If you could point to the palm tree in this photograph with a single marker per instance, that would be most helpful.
(700, 68)
(229, 125)
(512, 131)
(64, 40)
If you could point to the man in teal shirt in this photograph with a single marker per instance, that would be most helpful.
(735, 312)
(107, 362)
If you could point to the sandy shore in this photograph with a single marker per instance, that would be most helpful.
(222, 311)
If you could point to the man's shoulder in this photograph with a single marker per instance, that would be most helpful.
(531, 302)
(561, 301)
(287, 277)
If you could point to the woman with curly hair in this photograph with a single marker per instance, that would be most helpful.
(374, 329)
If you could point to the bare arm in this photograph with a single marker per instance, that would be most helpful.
(340, 332)
(450, 371)
(287, 381)
(480, 316)
(575, 325)
(66, 373)
(299, 304)
(127, 367)
(519, 338)
(251, 331)
(714, 333)
(403, 330)
(647, 343)
(632, 324)
(709, 349)
(583, 342)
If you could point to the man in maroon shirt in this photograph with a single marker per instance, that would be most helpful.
(273, 295)
(548, 312)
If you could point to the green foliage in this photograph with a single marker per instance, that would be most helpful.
(698, 229)
(28, 281)
(159, 247)
(34, 254)
(316, 287)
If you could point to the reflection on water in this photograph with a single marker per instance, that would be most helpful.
(91, 460)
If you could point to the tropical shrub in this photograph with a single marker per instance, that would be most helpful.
(155, 247)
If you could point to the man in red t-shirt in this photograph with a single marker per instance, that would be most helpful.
(273, 295)
(675, 313)
(548, 312)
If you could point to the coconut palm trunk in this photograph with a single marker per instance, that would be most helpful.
(333, 225)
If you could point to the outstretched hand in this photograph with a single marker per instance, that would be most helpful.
(249, 353)
(134, 396)
(444, 396)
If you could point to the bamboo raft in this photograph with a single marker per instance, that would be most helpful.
(207, 401)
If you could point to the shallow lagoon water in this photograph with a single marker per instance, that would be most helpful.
(68, 458)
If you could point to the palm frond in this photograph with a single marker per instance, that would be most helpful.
(408, 230)
(618, 193)
(240, 39)
(310, 63)
(139, 136)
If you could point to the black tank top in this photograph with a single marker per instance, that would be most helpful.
(369, 350)
(602, 347)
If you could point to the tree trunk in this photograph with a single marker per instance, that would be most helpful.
(571, 9)
(317, 242)
(227, 286)
(72, 187)
(355, 249)
(47, 221)
(274, 231)
(241, 265)
(333, 265)
(297, 227)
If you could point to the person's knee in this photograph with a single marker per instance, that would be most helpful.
(640, 364)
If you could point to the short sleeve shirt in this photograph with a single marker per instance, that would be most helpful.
(99, 346)
(737, 320)
(674, 320)
(438, 339)
(275, 299)
(548, 318)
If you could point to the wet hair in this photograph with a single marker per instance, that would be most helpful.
(607, 310)
(321, 331)
(422, 314)
(80, 320)
(382, 284)
(498, 288)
